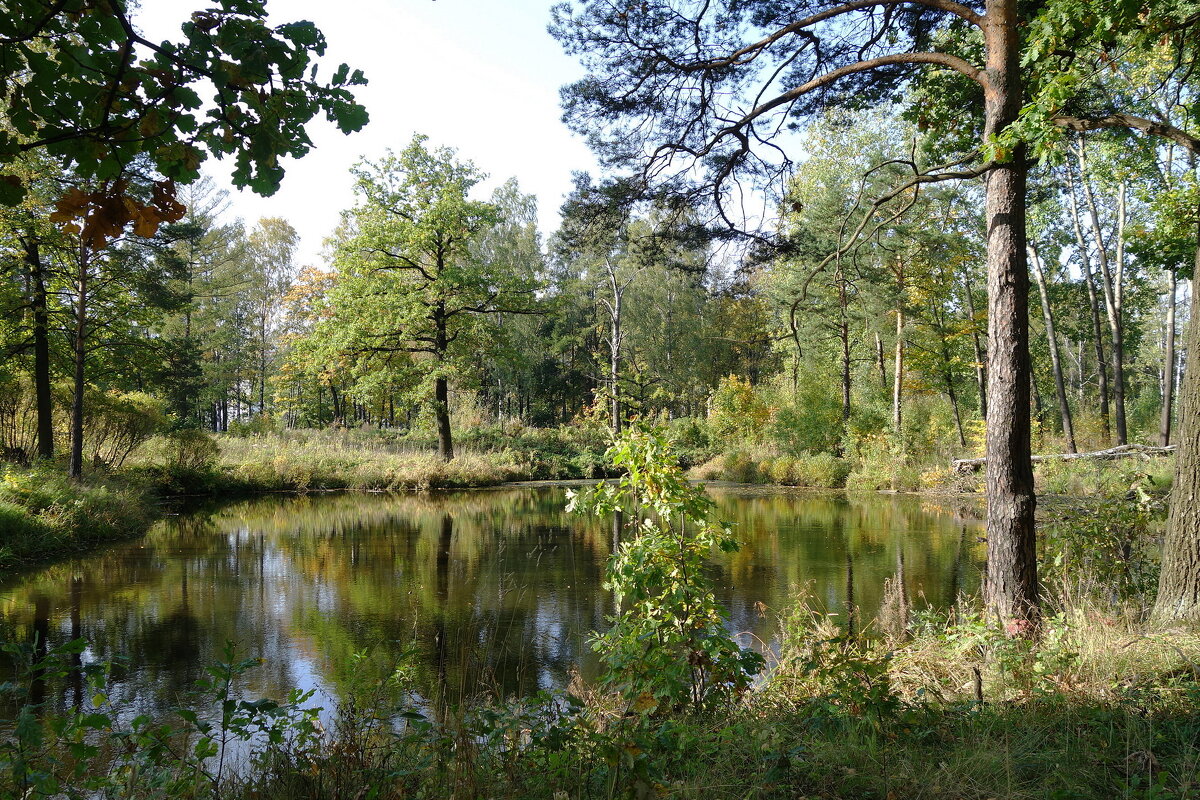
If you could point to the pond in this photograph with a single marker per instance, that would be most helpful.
(490, 590)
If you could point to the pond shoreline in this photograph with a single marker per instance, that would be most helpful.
(149, 496)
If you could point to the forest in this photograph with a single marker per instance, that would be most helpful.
(912, 247)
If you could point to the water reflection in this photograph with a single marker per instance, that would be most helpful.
(494, 590)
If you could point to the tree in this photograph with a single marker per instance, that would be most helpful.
(597, 235)
(30, 239)
(1087, 94)
(513, 246)
(703, 83)
(412, 285)
(269, 250)
(84, 87)
(204, 259)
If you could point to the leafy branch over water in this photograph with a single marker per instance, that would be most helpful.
(668, 646)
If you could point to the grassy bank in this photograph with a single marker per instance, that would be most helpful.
(313, 460)
(875, 472)
(43, 514)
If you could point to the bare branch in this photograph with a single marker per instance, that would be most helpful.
(1142, 124)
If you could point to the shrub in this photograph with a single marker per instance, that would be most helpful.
(184, 449)
(736, 411)
(117, 423)
(668, 647)
(810, 422)
(819, 471)
(782, 470)
(740, 467)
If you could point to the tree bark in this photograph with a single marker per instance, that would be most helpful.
(1060, 386)
(441, 389)
(948, 378)
(1111, 283)
(614, 348)
(1012, 581)
(1168, 372)
(75, 468)
(898, 372)
(883, 381)
(1179, 582)
(41, 351)
(441, 410)
(844, 335)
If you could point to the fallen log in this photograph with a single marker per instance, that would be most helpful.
(964, 466)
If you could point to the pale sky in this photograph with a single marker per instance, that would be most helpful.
(481, 76)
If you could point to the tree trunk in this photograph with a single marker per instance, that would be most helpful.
(1085, 266)
(980, 357)
(441, 389)
(1012, 580)
(898, 372)
(844, 335)
(41, 351)
(1060, 387)
(1179, 581)
(614, 348)
(75, 468)
(1111, 281)
(441, 410)
(1168, 372)
(883, 381)
(962, 436)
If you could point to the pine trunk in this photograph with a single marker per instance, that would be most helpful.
(1089, 281)
(980, 356)
(1012, 580)
(80, 346)
(1060, 386)
(1179, 581)
(898, 373)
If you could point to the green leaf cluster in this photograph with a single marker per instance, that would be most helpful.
(82, 85)
(668, 648)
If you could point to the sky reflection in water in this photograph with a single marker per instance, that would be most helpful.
(494, 590)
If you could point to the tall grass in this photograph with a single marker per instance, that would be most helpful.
(45, 514)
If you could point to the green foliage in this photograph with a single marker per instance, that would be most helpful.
(187, 448)
(737, 412)
(1104, 554)
(668, 648)
(810, 423)
(118, 423)
(102, 749)
(83, 86)
(882, 464)
(837, 672)
(820, 471)
(55, 515)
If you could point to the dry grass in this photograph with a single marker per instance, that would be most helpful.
(311, 464)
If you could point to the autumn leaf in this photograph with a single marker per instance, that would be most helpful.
(145, 221)
(71, 205)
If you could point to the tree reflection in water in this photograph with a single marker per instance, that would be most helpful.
(492, 591)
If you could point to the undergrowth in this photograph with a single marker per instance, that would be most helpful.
(44, 514)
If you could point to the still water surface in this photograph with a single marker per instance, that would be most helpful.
(492, 590)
